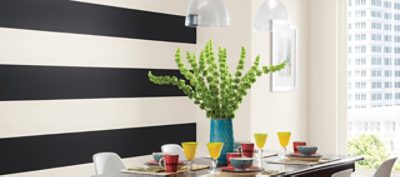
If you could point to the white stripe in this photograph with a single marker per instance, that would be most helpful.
(176, 7)
(28, 47)
(27, 118)
(83, 170)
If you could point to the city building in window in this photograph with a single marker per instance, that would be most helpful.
(374, 70)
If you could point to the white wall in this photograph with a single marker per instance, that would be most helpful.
(282, 111)
(327, 75)
(262, 110)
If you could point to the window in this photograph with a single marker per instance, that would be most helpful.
(376, 49)
(373, 79)
(360, 73)
(388, 73)
(397, 50)
(397, 17)
(361, 25)
(376, 61)
(360, 61)
(397, 73)
(397, 6)
(360, 13)
(397, 96)
(376, 14)
(361, 85)
(388, 61)
(388, 85)
(388, 27)
(397, 84)
(360, 2)
(397, 61)
(374, 37)
(388, 96)
(376, 73)
(373, 2)
(393, 126)
(376, 85)
(388, 16)
(360, 49)
(360, 97)
(388, 4)
(397, 27)
(388, 38)
(376, 97)
(387, 49)
(376, 25)
(397, 39)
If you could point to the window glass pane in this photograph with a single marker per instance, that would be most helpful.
(373, 95)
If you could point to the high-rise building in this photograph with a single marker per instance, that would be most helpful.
(374, 69)
(373, 53)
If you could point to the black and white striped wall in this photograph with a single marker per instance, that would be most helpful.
(73, 82)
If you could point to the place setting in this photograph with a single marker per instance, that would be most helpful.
(174, 159)
(302, 154)
(243, 161)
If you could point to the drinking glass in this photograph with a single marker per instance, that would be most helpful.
(214, 148)
(261, 139)
(189, 148)
(284, 138)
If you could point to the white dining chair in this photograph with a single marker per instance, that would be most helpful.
(106, 163)
(173, 149)
(344, 173)
(386, 168)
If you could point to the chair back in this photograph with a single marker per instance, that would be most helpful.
(107, 163)
(344, 173)
(386, 168)
(173, 149)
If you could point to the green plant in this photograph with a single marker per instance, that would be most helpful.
(371, 148)
(210, 84)
(397, 166)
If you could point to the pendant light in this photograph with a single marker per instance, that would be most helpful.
(268, 11)
(207, 13)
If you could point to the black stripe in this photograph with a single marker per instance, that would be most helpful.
(49, 151)
(83, 18)
(22, 82)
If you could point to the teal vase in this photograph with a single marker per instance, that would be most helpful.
(221, 130)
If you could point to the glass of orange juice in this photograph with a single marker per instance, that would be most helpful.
(190, 148)
(261, 139)
(284, 138)
(214, 148)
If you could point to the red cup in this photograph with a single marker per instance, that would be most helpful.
(247, 149)
(170, 163)
(231, 155)
(296, 144)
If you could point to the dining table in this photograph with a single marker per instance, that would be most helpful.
(341, 162)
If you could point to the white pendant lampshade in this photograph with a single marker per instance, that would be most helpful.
(268, 11)
(207, 13)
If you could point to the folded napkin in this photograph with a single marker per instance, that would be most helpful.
(272, 172)
(155, 170)
(286, 161)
